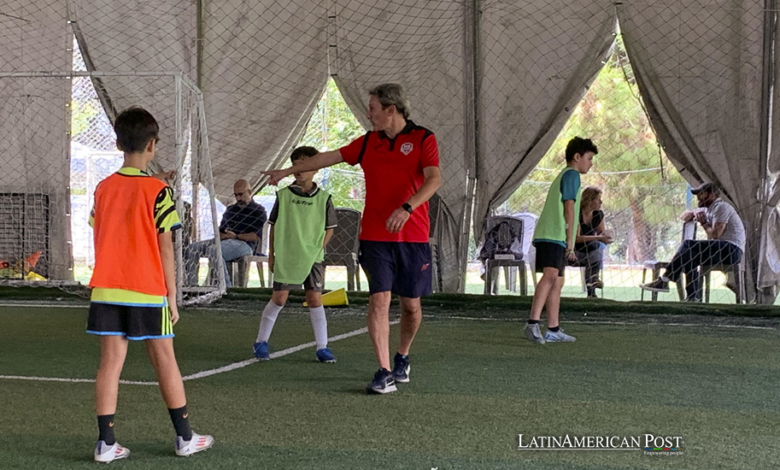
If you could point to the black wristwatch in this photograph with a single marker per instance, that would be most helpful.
(407, 207)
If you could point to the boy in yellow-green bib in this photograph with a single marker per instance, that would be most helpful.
(554, 238)
(302, 222)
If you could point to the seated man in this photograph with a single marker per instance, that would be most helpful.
(240, 232)
(725, 243)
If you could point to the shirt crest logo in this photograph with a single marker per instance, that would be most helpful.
(407, 148)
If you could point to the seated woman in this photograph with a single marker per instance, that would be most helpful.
(588, 244)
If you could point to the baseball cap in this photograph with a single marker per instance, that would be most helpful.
(708, 187)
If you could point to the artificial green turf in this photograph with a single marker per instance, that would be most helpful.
(475, 386)
(499, 306)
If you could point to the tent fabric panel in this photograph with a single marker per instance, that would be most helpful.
(537, 61)
(698, 68)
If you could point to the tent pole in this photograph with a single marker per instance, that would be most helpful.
(767, 88)
(471, 49)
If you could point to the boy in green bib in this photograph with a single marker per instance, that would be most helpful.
(302, 223)
(554, 241)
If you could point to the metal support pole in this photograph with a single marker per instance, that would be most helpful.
(767, 89)
(472, 114)
(180, 150)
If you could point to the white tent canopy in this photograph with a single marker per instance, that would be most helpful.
(496, 81)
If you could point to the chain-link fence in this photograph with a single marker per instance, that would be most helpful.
(674, 94)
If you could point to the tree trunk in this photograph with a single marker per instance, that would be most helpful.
(643, 236)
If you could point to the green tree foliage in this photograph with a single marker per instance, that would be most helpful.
(331, 126)
(82, 113)
(643, 192)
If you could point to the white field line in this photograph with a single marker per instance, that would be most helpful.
(284, 352)
(63, 379)
(51, 305)
(202, 374)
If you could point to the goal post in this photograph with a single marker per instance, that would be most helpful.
(57, 143)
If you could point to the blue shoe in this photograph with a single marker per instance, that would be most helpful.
(401, 368)
(558, 337)
(325, 355)
(383, 382)
(261, 350)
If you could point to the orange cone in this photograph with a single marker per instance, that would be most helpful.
(32, 260)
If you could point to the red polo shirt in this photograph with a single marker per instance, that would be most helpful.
(394, 173)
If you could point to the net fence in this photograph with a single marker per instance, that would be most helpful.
(673, 93)
(673, 101)
(44, 227)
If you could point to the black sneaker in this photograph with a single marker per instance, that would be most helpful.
(659, 285)
(383, 382)
(401, 368)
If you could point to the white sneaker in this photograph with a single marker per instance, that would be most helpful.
(194, 445)
(533, 333)
(105, 453)
(558, 337)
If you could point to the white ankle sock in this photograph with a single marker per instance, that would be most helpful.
(320, 326)
(270, 313)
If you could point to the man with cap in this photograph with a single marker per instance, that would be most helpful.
(724, 245)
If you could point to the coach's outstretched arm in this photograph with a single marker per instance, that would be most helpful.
(319, 161)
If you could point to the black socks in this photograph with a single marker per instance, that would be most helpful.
(181, 423)
(106, 429)
(179, 417)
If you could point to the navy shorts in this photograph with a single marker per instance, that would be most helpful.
(403, 268)
(132, 322)
(550, 255)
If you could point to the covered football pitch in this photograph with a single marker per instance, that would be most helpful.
(701, 373)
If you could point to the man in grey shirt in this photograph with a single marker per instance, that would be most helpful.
(725, 243)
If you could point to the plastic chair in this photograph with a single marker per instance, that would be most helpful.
(737, 270)
(435, 214)
(240, 267)
(688, 233)
(529, 251)
(342, 250)
(507, 264)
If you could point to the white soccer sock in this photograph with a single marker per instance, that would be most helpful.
(320, 326)
(664, 278)
(270, 313)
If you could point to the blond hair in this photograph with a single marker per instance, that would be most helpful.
(589, 194)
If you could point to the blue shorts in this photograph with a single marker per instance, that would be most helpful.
(403, 268)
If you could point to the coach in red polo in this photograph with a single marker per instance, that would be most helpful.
(400, 161)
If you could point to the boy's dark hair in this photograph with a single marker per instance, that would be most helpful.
(134, 128)
(581, 146)
(303, 152)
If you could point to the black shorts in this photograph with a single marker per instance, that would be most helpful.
(403, 268)
(550, 255)
(313, 282)
(134, 323)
